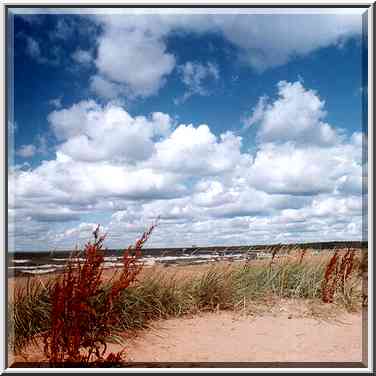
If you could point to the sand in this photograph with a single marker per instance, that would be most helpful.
(282, 335)
(229, 337)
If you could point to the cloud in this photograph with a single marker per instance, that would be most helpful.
(26, 151)
(257, 113)
(306, 170)
(81, 185)
(79, 233)
(33, 49)
(133, 47)
(194, 75)
(67, 123)
(42, 144)
(55, 215)
(56, 102)
(94, 133)
(133, 58)
(270, 40)
(106, 89)
(82, 57)
(39, 147)
(131, 52)
(64, 29)
(123, 170)
(325, 208)
(191, 151)
(297, 115)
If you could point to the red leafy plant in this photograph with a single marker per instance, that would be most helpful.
(274, 250)
(83, 314)
(302, 254)
(337, 272)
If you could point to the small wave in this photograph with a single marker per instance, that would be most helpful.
(23, 267)
(76, 259)
(108, 265)
(20, 261)
(66, 259)
(111, 258)
(202, 261)
(34, 267)
(148, 262)
(38, 271)
(47, 266)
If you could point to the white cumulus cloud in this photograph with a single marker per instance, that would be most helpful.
(94, 133)
(123, 171)
(134, 58)
(297, 115)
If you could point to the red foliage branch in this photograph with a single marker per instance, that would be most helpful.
(329, 279)
(301, 255)
(274, 251)
(346, 267)
(82, 311)
(337, 272)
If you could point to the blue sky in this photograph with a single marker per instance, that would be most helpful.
(234, 128)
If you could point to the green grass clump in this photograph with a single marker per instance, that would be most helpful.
(155, 297)
(28, 313)
(213, 290)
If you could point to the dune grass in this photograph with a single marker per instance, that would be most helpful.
(28, 312)
(160, 295)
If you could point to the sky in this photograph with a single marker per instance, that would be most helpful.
(231, 126)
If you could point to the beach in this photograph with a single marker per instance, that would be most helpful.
(229, 337)
(287, 334)
(273, 329)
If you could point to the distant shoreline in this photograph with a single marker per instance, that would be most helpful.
(41, 263)
(240, 248)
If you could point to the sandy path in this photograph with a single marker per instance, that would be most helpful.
(229, 337)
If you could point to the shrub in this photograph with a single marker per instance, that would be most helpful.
(82, 310)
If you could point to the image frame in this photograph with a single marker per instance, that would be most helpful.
(210, 367)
